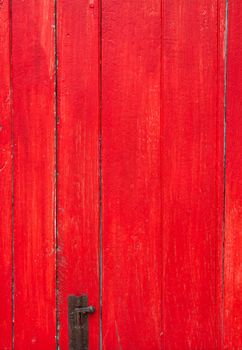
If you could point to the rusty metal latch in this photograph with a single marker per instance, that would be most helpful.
(78, 311)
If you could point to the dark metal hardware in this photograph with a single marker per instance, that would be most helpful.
(78, 311)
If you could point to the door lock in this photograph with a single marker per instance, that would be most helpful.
(78, 311)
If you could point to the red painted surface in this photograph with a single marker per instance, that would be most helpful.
(233, 223)
(34, 174)
(134, 125)
(192, 174)
(131, 56)
(78, 159)
(5, 183)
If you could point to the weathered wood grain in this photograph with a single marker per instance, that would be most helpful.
(5, 182)
(233, 223)
(192, 173)
(34, 174)
(78, 159)
(131, 57)
(134, 124)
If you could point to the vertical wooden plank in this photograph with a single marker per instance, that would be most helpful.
(131, 40)
(78, 159)
(5, 182)
(34, 176)
(192, 173)
(233, 223)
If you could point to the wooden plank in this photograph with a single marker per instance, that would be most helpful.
(233, 223)
(131, 47)
(5, 182)
(192, 173)
(78, 159)
(34, 176)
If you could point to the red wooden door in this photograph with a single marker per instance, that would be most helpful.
(120, 172)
